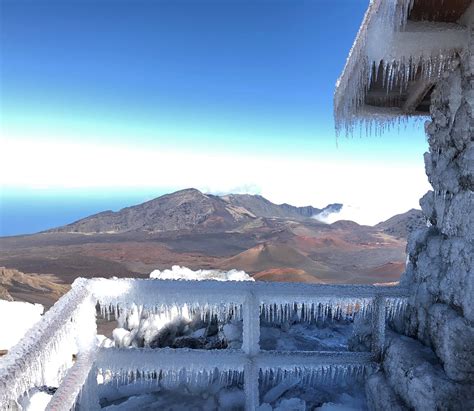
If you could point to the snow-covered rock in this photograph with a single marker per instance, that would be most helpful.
(453, 340)
(294, 404)
(440, 268)
(416, 375)
(380, 395)
(231, 399)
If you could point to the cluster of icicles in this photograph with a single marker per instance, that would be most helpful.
(350, 114)
(334, 309)
(281, 312)
(318, 375)
(362, 70)
(172, 378)
(397, 74)
(395, 308)
(222, 312)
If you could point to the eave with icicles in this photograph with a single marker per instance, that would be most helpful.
(402, 49)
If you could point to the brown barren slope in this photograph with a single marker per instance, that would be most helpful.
(203, 231)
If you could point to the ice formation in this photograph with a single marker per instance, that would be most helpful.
(144, 308)
(324, 308)
(389, 48)
(45, 352)
(429, 362)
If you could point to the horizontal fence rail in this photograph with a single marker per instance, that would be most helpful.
(152, 292)
(247, 298)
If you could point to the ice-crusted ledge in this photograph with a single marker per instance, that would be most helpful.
(399, 51)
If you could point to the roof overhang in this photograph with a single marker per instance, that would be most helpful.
(402, 49)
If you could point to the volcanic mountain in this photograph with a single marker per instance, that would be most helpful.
(190, 209)
(271, 242)
(401, 225)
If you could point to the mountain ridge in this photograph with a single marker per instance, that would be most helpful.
(203, 231)
(190, 209)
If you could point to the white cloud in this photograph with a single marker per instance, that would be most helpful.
(347, 212)
(184, 273)
(379, 190)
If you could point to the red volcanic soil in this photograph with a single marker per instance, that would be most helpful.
(145, 257)
(290, 275)
(390, 271)
(308, 244)
(268, 256)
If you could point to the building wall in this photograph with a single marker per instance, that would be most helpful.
(432, 366)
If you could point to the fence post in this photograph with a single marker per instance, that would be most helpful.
(251, 346)
(378, 327)
(251, 326)
(251, 388)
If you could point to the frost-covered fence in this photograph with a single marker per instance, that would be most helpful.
(46, 352)
(248, 301)
(71, 320)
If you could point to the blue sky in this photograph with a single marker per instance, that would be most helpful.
(220, 94)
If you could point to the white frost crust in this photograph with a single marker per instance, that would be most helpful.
(45, 352)
(67, 394)
(385, 39)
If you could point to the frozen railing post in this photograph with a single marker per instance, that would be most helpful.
(378, 327)
(251, 325)
(80, 383)
(81, 379)
(251, 346)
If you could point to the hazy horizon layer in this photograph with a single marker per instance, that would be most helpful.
(31, 211)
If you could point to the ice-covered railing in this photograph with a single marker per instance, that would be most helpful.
(46, 352)
(248, 301)
(243, 300)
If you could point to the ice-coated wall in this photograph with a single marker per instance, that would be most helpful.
(433, 368)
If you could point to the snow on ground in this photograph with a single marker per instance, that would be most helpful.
(17, 318)
(288, 395)
(37, 400)
(183, 273)
(215, 396)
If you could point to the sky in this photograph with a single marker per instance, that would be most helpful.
(107, 103)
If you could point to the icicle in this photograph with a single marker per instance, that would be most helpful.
(320, 309)
(395, 307)
(324, 374)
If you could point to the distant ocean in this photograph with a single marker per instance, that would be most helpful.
(31, 211)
